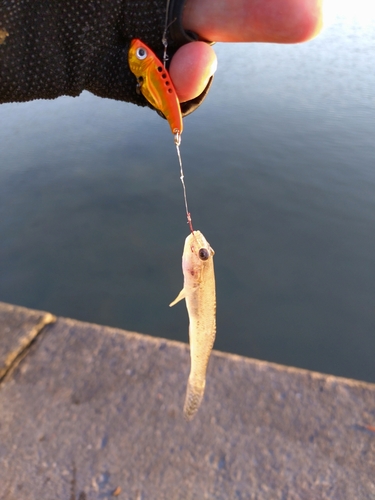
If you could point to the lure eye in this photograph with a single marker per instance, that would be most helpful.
(141, 53)
(203, 254)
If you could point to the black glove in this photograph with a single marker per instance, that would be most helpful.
(50, 48)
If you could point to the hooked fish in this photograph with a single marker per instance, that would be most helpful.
(155, 83)
(199, 294)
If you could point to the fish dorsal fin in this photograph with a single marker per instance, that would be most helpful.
(179, 297)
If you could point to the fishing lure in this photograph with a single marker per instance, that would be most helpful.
(155, 84)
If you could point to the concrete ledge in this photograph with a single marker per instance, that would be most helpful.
(92, 412)
(18, 328)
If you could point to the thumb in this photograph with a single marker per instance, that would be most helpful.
(191, 67)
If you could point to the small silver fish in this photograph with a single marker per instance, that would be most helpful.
(200, 296)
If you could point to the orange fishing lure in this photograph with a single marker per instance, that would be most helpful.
(155, 84)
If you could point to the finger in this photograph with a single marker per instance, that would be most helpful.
(278, 21)
(190, 69)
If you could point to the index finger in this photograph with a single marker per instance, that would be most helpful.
(278, 21)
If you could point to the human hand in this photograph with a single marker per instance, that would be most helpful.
(273, 21)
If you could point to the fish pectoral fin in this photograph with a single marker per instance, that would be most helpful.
(179, 297)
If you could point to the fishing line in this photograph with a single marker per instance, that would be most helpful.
(177, 135)
(177, 141)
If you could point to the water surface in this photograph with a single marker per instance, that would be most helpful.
(280, 171)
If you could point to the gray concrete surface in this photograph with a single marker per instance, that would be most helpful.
(94, 412)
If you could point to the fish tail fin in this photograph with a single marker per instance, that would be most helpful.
(193, 400)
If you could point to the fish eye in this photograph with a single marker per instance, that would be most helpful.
(141, 53)
(203, 253)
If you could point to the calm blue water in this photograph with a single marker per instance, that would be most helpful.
(280, 170)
